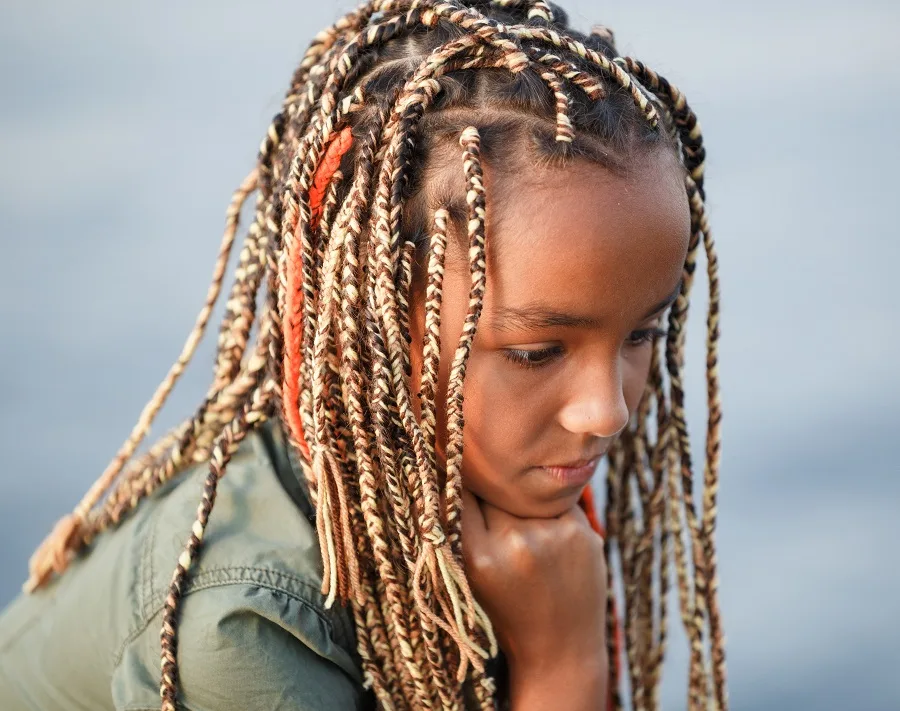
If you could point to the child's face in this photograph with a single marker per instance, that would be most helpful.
(581, 264)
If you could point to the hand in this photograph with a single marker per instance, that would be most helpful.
(543, 584)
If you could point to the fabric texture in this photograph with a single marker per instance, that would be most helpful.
(253, 631)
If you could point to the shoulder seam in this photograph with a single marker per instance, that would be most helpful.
(242, 575)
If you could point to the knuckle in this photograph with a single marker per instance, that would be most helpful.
(570, 532)
(520, 552)
(518, 542)
(481, 562)
(598, 545)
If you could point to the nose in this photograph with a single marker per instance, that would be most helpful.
(597, 404)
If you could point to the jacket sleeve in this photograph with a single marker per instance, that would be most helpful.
(244, 647)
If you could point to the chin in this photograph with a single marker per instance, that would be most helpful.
(531, 507)
(552, 509)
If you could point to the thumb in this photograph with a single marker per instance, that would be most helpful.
(474, 529)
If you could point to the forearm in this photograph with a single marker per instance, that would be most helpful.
(573, 686)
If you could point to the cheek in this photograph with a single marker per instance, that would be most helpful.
(502, 416)
(635, 372)
(505, 426)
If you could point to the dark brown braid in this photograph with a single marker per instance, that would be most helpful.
(396, 93)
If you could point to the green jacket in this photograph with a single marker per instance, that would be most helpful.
(253, 630)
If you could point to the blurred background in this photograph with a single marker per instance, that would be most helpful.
(125, 126)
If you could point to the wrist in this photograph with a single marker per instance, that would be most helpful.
(578, 683)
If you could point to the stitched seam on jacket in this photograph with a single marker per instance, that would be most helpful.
(225, 581)
(144, 588)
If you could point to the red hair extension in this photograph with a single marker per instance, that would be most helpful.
(587, 505)
(338, 145)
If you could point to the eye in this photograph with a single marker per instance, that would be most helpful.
(643, 336)
(533, 358)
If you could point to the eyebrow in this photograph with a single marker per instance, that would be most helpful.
(665, 302)
(537, 316)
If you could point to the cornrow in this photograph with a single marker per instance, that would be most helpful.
(345, 219)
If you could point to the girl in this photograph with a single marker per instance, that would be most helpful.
(476, 231)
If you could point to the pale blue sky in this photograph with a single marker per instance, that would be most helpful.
(124, 127)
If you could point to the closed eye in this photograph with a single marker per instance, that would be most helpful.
(533, 358)
(644, 335)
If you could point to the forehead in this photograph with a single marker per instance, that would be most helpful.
(585, 240)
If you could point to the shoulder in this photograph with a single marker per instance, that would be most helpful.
(253, 631)
(252, 626)
(258, 535)
(244, 647)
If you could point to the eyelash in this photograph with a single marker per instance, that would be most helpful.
(645, 335)
(545, 356)
(533, 359)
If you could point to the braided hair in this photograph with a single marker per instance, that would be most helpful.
(346, 215)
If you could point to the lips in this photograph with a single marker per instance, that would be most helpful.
(577, 464)
(577, 473)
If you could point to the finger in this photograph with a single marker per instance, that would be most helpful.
(576, 514)
(495, 519)
(472, 517)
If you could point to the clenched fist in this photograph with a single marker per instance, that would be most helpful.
(543, 584)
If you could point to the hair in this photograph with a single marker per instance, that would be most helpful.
(351, 202)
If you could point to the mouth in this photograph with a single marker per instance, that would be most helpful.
(573, 474)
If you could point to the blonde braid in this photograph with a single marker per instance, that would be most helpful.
(332, 353)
